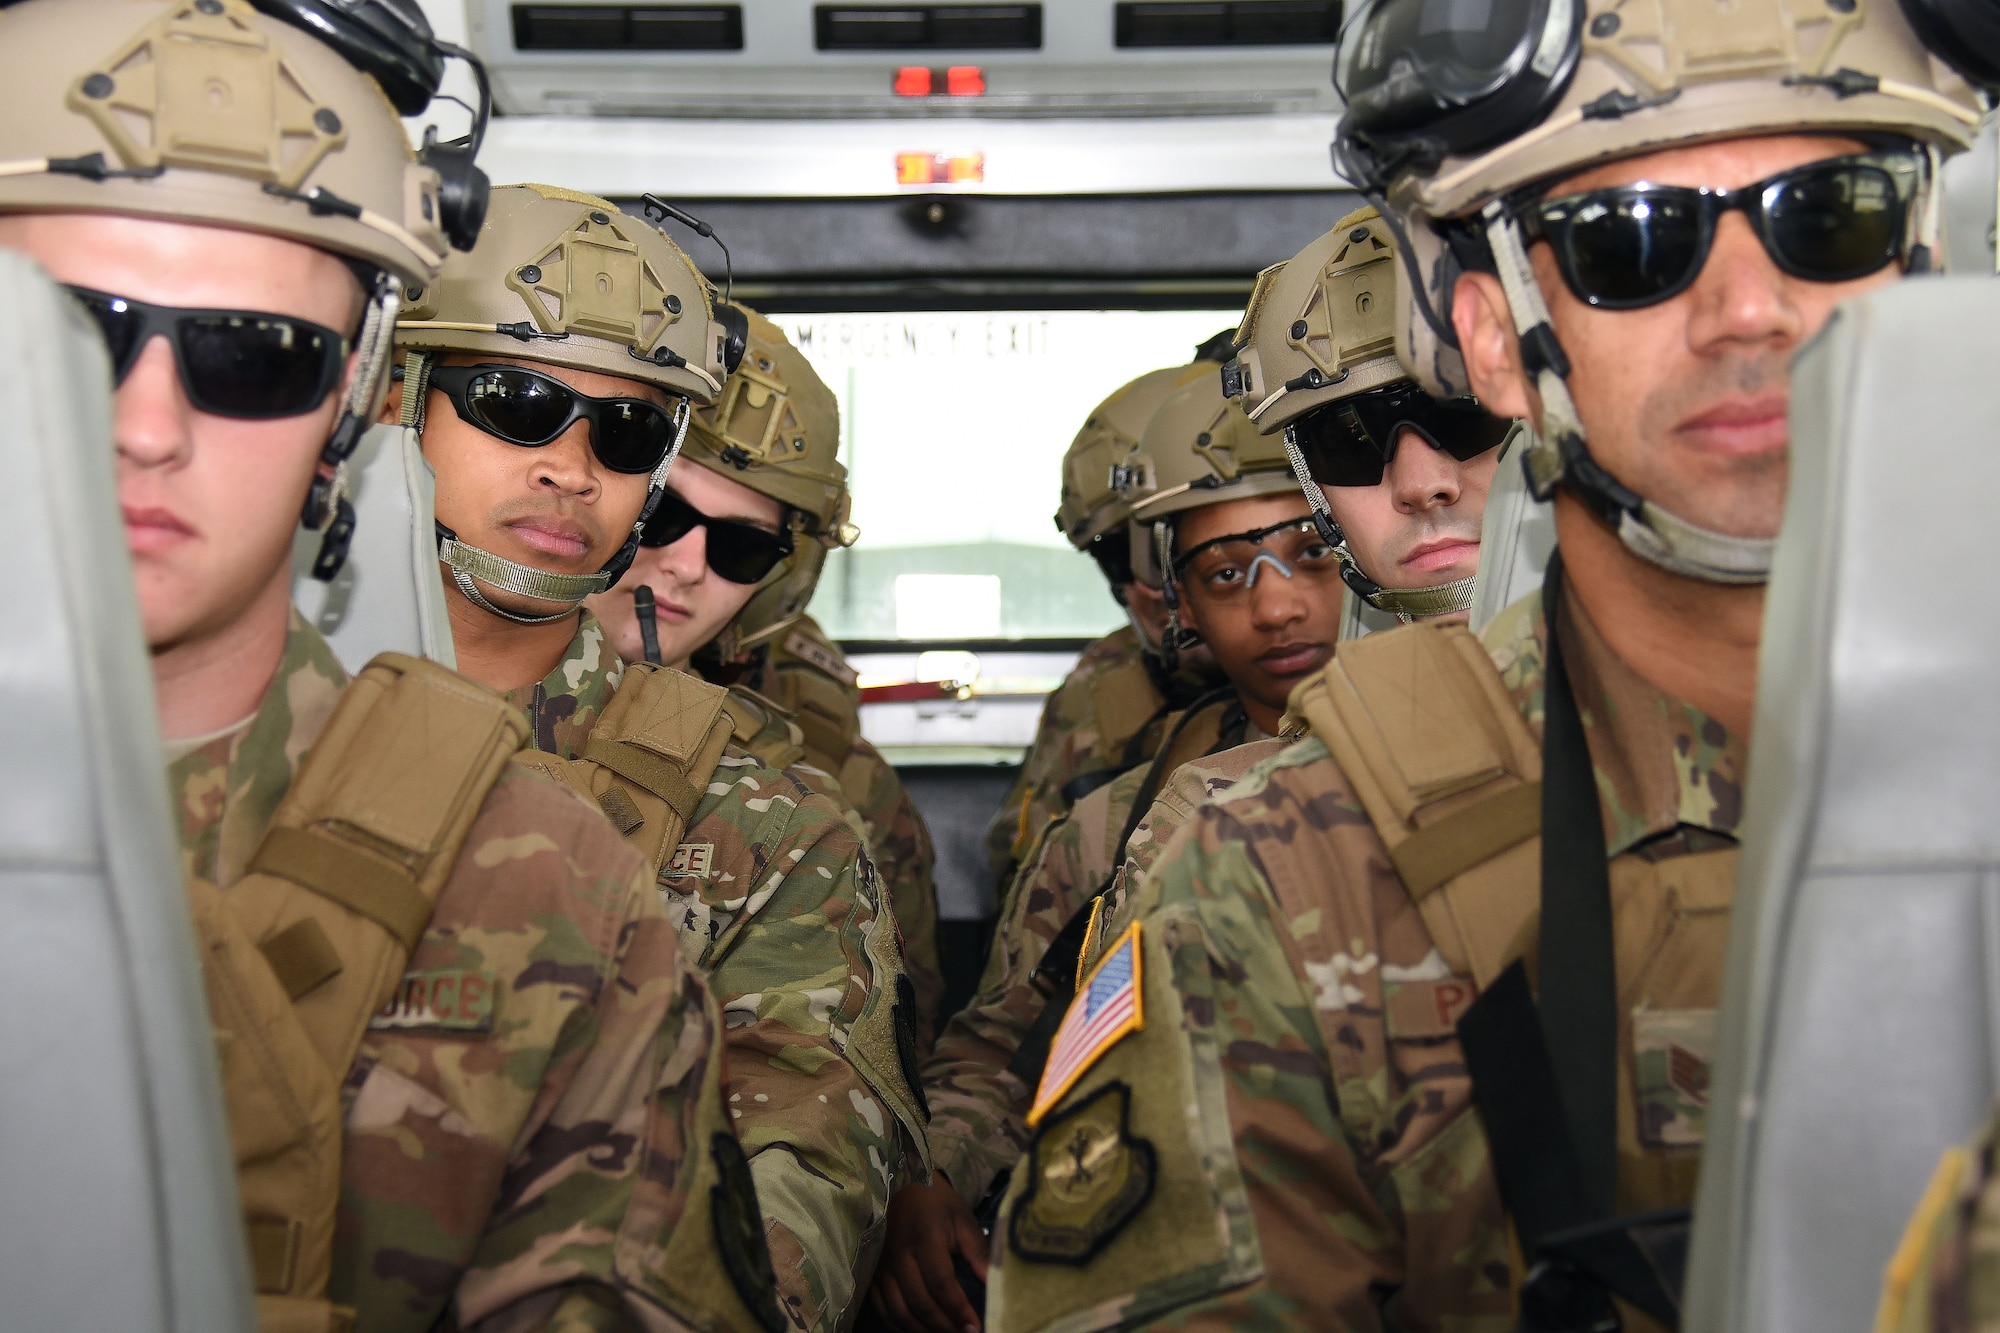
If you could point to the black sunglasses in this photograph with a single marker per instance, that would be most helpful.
(530, 409)
(737, 551)
(1351, 442)
(1636, 245)
(243, 364)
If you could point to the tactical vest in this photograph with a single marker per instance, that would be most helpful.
(1452, 780)
(313, 940)
(648, 760)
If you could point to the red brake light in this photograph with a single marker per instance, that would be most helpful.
(965, 81)
(913, 81)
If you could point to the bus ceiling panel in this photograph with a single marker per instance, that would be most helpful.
(804, 59)
(753, 159)
(983, 251)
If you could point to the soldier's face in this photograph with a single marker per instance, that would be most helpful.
(556, 507)
(1270, 619)
(1684, 401)
(210, 503)
(1419, 526)
(1148, 612)
(692, 603)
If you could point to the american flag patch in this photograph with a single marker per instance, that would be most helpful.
(1106, 1007)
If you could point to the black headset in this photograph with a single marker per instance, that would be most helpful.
(391, 41)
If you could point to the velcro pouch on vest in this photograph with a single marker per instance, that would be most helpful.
(1450, 776)
(650, 756)
(313, 939)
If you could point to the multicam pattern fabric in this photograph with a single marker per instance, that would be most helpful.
(978, 1107)
(1356, 1191)
(516, 1171)
(1945, 1275)
(1069, 744)
(778, 903)
(805, 669)
(900, 842)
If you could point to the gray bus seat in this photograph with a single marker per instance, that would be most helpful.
(1516, 536)
(117, 1194)
(1858, 1036)
(389, 596)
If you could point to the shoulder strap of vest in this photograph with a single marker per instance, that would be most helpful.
(312, 941)
(1450, 776)
(764, 727)
(649, 759)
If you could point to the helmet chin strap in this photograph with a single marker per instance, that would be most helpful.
(1558, 455)
(1406, 604)
(469, 563)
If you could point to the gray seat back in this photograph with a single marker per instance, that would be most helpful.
(389, 596)
(117, 1194)
(1858, 1036)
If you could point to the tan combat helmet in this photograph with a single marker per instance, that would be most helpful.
(1092, 514)
(1319, 328)
(565, 279)
(208, 111)
(1199, 449)
(1571, 85)
(776, 429)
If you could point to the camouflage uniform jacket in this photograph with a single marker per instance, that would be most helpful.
(977, 1103)
(777, 901)
(1070, 742)
(1297, 1083)
(898, 839)
(490, 1169)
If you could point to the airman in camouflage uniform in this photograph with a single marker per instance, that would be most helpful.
(1301, 1079)
(773, 442)
(497, 1161)
(512, 1160)
(797, 971)
(770, 887)
(806, 672)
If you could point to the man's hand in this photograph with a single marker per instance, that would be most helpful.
(915, 1288)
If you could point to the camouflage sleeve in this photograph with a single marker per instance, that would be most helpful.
(900, 842)
(1004, 832)
(976, 1103)
(774, 890)
(1941, 1277)
(541, 1058)
(1345, 1184)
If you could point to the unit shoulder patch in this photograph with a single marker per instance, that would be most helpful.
(451, 999)
(816, 654)
(738, 1221)
(1088, 1175)
(1108, 1004)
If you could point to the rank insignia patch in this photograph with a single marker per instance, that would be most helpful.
(450, 999)
(1107, 1006)
(1088, 1175)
